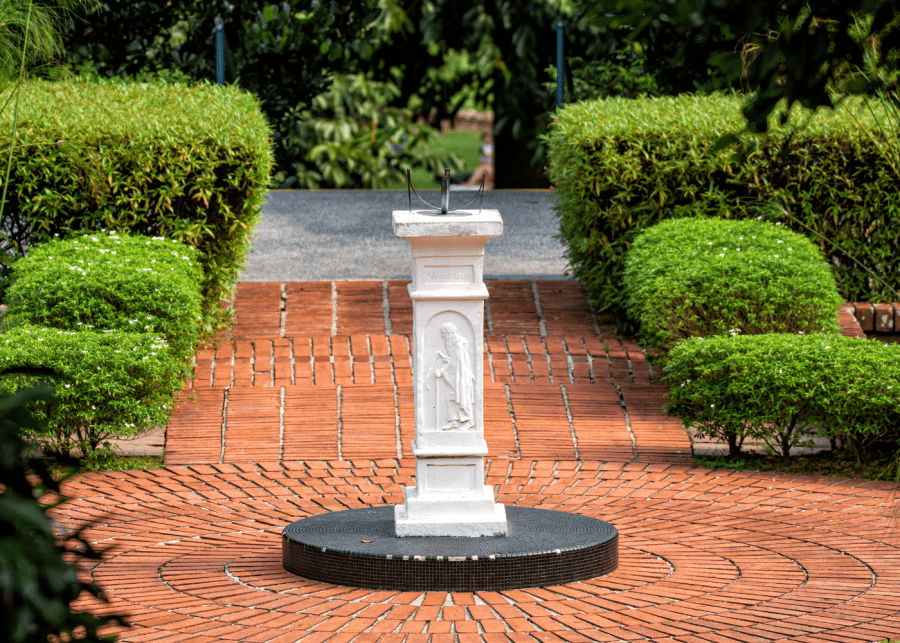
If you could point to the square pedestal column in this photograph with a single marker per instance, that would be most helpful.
(448, 293)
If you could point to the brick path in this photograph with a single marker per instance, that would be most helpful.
(306, 407)
(322, 370)
(706, 556)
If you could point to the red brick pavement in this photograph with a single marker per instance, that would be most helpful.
(323, 370)
(306, 407)
(705, 556)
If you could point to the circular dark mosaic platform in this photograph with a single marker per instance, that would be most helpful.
(358, 548)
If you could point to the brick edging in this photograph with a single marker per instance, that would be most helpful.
(875, 318)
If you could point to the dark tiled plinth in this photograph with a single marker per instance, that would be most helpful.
(358, 548)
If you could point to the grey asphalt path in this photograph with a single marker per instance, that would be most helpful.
(318, 235)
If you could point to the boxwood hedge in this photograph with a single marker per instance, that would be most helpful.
(623, 165)
(117, 384)
(772, 387)
(111, 282)
(708, 276)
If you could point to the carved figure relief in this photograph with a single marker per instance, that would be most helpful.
(455, 400)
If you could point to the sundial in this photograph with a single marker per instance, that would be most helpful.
(449, 534)
(445, 196)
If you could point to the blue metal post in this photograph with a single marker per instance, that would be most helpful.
(559, 63)
(220, 52)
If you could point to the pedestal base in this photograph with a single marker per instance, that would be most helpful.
(358, 548)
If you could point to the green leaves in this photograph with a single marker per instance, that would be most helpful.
(36, 581)
(624, 165)
(130, 162)
(703, 277)
(111, 282)
(116, 384)
(350, 138)
(770, 386)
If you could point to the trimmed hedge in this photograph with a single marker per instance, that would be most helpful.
(773, 387)
(623, 165)
(118, 384)
(701, 277)
(111, 282)
(188, 163)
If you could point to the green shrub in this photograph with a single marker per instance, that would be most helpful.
(111, 282)
(701, 277)
(348, 138)
(621, 73)
(118, 384)
(773, 387)
(187, 163)
(38, 572)
(623, 165)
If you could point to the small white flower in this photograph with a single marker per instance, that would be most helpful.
(712, 406)
(780, 241)
(709, 244)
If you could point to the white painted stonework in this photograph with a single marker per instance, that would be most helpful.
(448, 293)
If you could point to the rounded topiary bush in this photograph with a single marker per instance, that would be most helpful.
(111, 282)
(699, 277)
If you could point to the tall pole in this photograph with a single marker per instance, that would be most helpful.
(220, 51)
(559, 63)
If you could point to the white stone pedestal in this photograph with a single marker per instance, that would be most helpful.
(448, 293)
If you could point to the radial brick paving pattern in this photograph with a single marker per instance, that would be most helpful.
(194, 554)
(324, 370)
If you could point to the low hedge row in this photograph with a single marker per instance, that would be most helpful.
(118, 317)
(702, 277)
(190, 163)
(111, 281)
(773, 387)
(622, 165)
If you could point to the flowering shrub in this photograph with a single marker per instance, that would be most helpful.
(116, 384)
(111, 282)
(700, 277)
(773, 387)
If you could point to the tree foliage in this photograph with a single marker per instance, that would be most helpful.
(284, 53)
(38, 578)
(792, 50)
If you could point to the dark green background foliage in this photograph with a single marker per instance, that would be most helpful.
(350, 137)
(111, 282)
(624, 74)
(624, 165)
(281, 52)
(118, 384)
(36, 583)
(700, 277)
(772, 386)
(501, 50)
(189, 163)
(783, 49)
